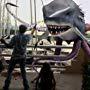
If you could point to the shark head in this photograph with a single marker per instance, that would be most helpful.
(63, 14)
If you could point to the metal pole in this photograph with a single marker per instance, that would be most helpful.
(35, 20)
(35, 10)
(31, 18)
(0, 18)
(3, 18)
(31, 11)
(15, 19)
(8, 23)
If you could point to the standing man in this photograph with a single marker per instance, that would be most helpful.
(19, 44)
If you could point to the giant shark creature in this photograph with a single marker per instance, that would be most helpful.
(65, 21)
(65, 17)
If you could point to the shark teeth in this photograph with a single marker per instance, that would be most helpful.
(55, 29)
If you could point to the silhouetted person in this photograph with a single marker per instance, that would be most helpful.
(45, 79)
(19, 44)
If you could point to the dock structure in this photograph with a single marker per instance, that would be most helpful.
(78, 62)
(69, 78)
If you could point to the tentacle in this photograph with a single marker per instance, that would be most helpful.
(86, 47)
(14, 14)
(73, 54)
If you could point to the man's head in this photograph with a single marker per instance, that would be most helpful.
(22, 28)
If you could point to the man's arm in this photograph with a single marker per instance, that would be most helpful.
(33, 29)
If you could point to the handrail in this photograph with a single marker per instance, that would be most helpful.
(43, 46)
(43, 56)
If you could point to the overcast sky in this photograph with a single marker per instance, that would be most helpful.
(24, 9)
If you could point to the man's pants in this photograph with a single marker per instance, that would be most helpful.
(12, 64)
